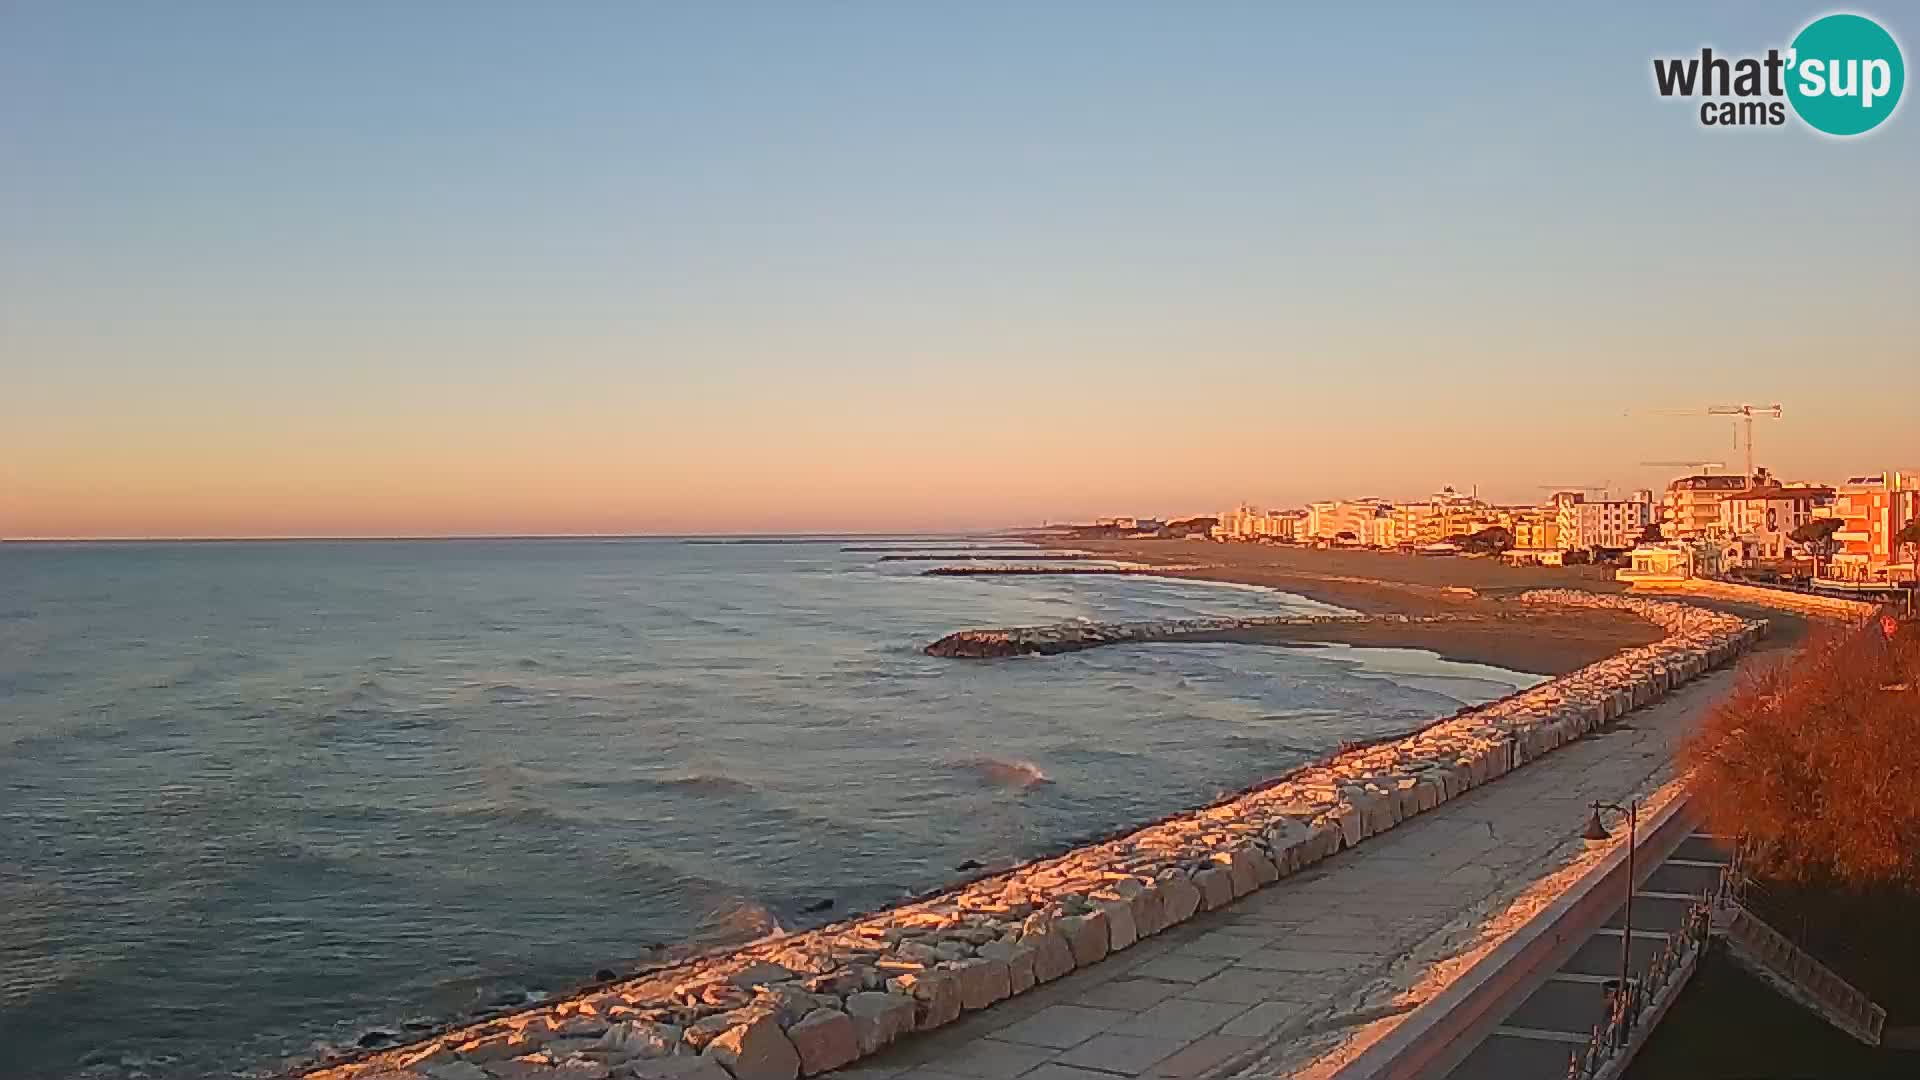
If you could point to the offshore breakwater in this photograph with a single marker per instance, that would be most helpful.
(810, 1002)
(1030, 570)
(1074, 636)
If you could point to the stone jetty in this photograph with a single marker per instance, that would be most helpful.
(1072, 636)
(990, 569)
(1015, 556)
(806, 1003)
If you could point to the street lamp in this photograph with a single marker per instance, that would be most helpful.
(1596, 831)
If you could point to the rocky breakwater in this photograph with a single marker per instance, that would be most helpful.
(1002, 556)
(994, 569)
(1072, 636)
(814, 1001)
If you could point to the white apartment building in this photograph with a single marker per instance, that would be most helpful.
(1690, 510)
(1252, 523)
(1584, 524)
(1757, 523)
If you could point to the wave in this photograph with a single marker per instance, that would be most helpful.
(736, 921)
(1011, 773)
(708, 784)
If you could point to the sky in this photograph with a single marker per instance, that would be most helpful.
(472, 268)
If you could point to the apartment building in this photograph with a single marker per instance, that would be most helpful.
(1252, 523)
(1757, 522)
(1582, 523)
(1537, 528)
(1327, 520)
(1383, 528)
(1415, 523)
(1690, 509)
(1874, 508)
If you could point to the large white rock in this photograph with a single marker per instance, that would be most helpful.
(879, 1018)
(1121, 931)
(936, 996)
(983, 981)
(1180, 898)
(1216, 887)
(825, 1039)
(756, 1050)
(1087, 936)
(680, 1068)
(1019, 958)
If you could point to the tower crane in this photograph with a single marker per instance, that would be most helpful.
(1743, 426)
(1583, 489)
(1704, 466)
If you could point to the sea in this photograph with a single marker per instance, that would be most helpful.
(258, 798)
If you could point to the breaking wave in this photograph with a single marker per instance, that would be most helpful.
(1009, 773)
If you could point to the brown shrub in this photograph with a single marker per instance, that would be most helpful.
(1817, 760)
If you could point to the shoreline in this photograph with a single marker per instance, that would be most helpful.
(812, 1001)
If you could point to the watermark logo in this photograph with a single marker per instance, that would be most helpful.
(1841, 75)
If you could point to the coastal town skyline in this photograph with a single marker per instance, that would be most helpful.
(877, 270)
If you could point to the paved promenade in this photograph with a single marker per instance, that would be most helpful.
(1262, 987)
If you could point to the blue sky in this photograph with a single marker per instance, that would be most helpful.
(478, 267)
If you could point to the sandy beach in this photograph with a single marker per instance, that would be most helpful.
(1374, 582)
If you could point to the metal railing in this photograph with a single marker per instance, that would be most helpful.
(1612, 1040)
(1840, 1001)
(1723, 909)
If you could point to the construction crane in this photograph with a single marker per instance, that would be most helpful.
(1743, 425)
(1704, 466)
(1581, 488)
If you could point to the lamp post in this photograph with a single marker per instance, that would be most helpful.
(1596, 830)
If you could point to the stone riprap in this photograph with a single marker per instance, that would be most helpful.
(810, 1002)
(1068, 637)
(1019, 569)
(1002, 556)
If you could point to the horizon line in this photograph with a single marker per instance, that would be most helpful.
(409, 537)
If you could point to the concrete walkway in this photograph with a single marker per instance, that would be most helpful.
(1262, 984)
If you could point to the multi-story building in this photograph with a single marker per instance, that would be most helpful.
(1670, 561)
(1454, 515)
(1537, 529)
(1582, 523)
(1383, 529)
(1415, 523)
(1874, 508)
(1237, 523)
(1138, 524)
(1252, 523)
(1447, 514)
(1757, 522)
(1328, 520)
(1690, 510)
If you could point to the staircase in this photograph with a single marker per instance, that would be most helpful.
(1788, 968)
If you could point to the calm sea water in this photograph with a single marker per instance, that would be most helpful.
(254, 796)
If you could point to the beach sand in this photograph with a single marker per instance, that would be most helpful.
(1513, 636)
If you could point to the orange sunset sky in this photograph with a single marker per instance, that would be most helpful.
(656, 271)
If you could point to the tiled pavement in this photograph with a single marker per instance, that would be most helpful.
(1283, 961)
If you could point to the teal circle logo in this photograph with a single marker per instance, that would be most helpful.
(1845, 74)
